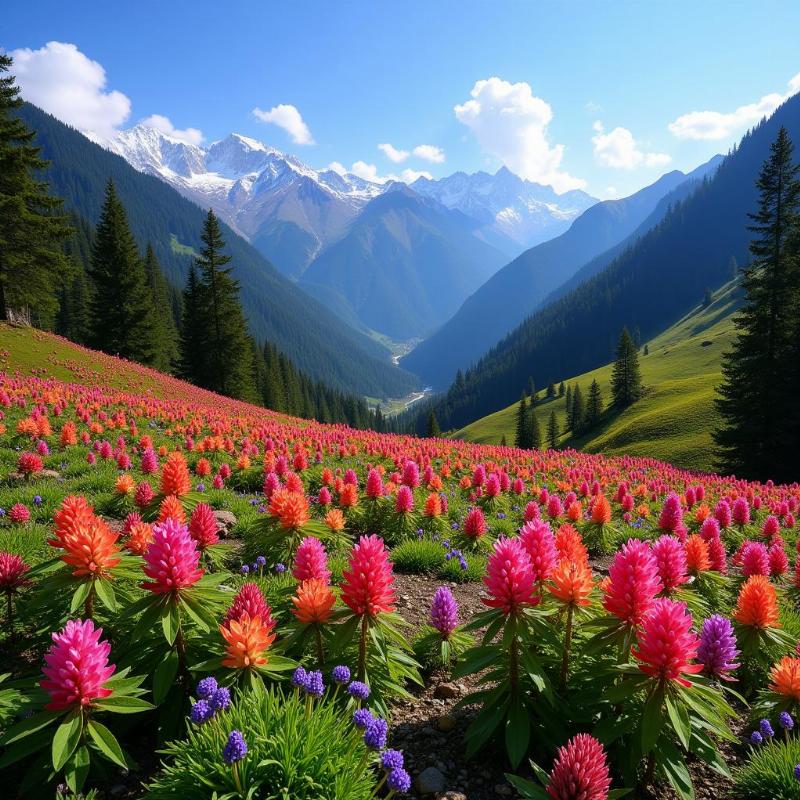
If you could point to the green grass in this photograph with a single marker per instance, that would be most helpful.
(181, 249)
(674, 419)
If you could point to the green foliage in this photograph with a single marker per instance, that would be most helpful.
(626, 378)
(292, 752)
(769, 772)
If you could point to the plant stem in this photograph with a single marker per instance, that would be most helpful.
(362, 648)
(320, 653)
(567, 647)
(180, 648)
(513, 665)
(650, 769)
(236, 779)
(88, 606)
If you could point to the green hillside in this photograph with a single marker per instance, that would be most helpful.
(674, 419)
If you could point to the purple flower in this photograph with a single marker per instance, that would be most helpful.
(221, 699)
(797, 771)
(766, 729)
(391, 759)
(201, 487)
(261, 561)
(399, 780)
(375, 734)
(201, 712)
(340, 674)
(280, 568)
(314, 684)
(299, 678)
(245, 569)
(236, 748)
(37, 500)
(756, 738)
(785, 720)
(358, 690)
(444, 611)
(362, 718)
(206, 687)
(717, 648)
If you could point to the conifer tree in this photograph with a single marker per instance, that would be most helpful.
(626, 379)
(521, 434)
(503, 442)
(594, 405)
(568, 404)
(577, 411)
(561, 389)
(551, 390)
(193, 333)
(32, 232)
(122, 318)
(552, 431)
(166, 334)
(433, 426)
(532, 391)
(757, 399)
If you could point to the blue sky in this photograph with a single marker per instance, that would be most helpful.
(574, 94)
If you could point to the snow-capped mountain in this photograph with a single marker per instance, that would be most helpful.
(527, 213)
(288, 210)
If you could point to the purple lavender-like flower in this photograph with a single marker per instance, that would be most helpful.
(245, 569)
(392, 759)
(375, 734)
(221, 699)
(399, 780)
(444, 611)
(785, 720)
(280, 568)
(797, 771)
(717, 648)
(261, 561)
(340, 674)
(236, 748)
(358, 690)
(299, 678)
(766, 729)
(206, 687)
(362, 718)
(201, 712)
(314, 684)
(756, 738)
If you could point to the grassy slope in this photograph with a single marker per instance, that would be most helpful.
(673, 421)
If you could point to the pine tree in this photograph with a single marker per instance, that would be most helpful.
(193, 333)
(594, 405)
(503, 442)
(561, 389)
(521, 434)
(32, 232)
(552, 431)
(166, 334)
(551, 390)
(646, 350)
(578, 411)
(532, 391)
(568, 404)
(225, 364)
(757, 397)
(122, 318)
(433, 426)
(626, 379)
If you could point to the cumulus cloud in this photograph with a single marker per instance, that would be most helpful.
(164, 124)
(619, 150)
(392, 153)
(713, 125)
(369, 172)
(429, 152)
(67, 84)
(289, 119)
(510, 123)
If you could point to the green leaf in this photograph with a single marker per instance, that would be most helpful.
(679, 717)
(528, 789)
(105, 592)
(652, 719)
(518, 733)
(120, 704)
(676, 770)
(171, 622)
(80, 595)
(106, 743)
(29, 726)
(165, 676)
(66, 739)
(77, 769)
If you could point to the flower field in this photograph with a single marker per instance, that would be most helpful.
(203, 599)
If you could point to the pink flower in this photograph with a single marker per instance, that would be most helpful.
(144, 494)
(12, 572)
(474, 523)
(755, 559)
(531, 511)
(670, 556)
(374, 484)
(778, 561)
(540, 545)
(771, 527)
(404, 502)
(311, 561)
(741, 511)
(709, 529)
(149, 461)
(76, 666)
(249, 600)
(580, 771)
(368, 582)
(633, 582)
(171, 560)
(723, 514)
(718, 556)
(203, 526)
(671, 519)
(509, 577)
(19, 513)
(411, 474)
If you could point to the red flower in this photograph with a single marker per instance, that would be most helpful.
(250, 600)
(633, 582)
(509, 577)
(171, 559)
(311, 561)
(368, 582)
(580, 771)
(203, 526)
(540, 545)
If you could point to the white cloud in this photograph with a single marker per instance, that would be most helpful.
(619, 150)
(337, 166)
(511, 125)
(60, 79)
(611, 192)
(429, 152)
(164, 124)
(289, 118)
(713, 125)
(410, 175)
(369, 172)
(393, 154)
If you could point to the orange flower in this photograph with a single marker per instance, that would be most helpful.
(348, 497)
(125, 484)
(171, 507)
(334, 519)
(313, 602)
(290, 508)
(786, 677)
(433, 505)
(175, 476)
(601, 511)
(757, 605)
(702, 512)
(698, 558)
(643, 510)
(248, 640)
(572, 583)
(574, 511)
(90, 548)
(74, 512)
(570, 546)
(139, 538)
(243, 463)
(69, 435)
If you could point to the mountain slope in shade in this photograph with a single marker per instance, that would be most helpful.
(648, 287)
(522, 286)
(316, 340)
(406, 264)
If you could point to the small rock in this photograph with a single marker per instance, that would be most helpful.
(430, 781)
(225, 521)
(446, 691)
(503, 789)
(446, 723)
(452, 796)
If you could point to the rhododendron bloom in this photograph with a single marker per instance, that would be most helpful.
(785, 678)
(509, 579)
(249, 600)
(175, 478)
(540, 544)
(76, 666)
(313, 602)
(203, 526)
(666, 645)
(248, 639)
(633, 582)
(671, 559)
(757, 604)
(368, 582)
(580, 771)
(171, 560)
(311, 561)
(572, 583)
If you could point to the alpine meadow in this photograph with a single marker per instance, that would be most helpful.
(399, 400)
